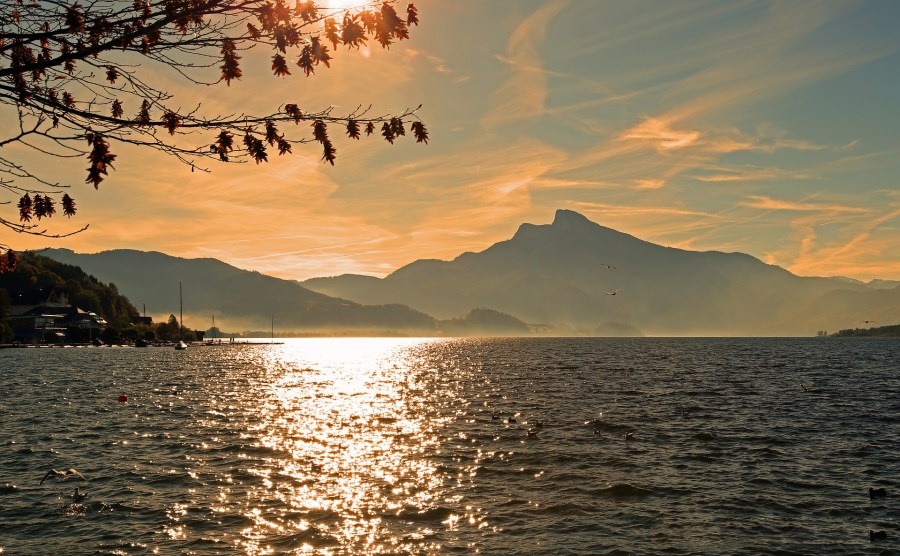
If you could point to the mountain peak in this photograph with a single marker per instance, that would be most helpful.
(569, 218)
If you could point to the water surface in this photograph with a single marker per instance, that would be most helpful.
(404, 446)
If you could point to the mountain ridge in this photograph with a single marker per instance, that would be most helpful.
(571, 276)
(563, 273)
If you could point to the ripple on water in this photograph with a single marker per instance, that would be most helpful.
(401, 446)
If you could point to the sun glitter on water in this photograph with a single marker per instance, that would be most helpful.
(349, 431)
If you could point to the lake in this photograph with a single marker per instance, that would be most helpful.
(440, 446)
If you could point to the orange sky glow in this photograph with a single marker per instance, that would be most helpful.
(765, 128)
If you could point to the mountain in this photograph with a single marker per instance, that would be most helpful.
(563, 274)
(238, 298)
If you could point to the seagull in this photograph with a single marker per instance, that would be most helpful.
(78, 497)
(629, 436)
(869, 321)
(608, 266)
(62, 475)
(614, 292)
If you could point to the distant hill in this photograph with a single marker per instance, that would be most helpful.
(483, 321)
(891, 331)
(240, 299)
(563, 274)
(36, 275)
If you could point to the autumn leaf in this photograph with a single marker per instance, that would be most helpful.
(319, 52)
(258, 151)
(43, 206)
(352, 33)
(284, 147)
(100, 158)
(293, 111)
(248, 138)
(143, 116)
(230, 66)
(68, 204)
(307, 11)
(329, 153)
(223, 145)
(255, 147)
(397, 127)
(383, 32)
(387, 132)
(279, 66)
(353, 129)
(74, 19)
(49, 206)
(331, 32)
(26, 207)
(412, 15)
(117, 109)
(38, 206)
(421, 134)
(271, 132)
(306, 60)
(393, 25)
(172, 121)
(369, 21)
(111, 74)
(281, 38)
(320, 131)
(253, 31)
(370, 128)
(391, 20)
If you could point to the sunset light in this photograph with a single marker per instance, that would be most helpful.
(384, 278)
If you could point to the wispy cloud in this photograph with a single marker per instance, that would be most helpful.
(768, 203)
(524, 93)
(661, 135)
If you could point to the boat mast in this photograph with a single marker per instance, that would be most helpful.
(180, 311)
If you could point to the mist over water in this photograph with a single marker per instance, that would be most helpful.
(406, 446)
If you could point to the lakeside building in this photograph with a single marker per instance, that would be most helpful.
(47, 316)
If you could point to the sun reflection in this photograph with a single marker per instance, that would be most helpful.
(351, 431)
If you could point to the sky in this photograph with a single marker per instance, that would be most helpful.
(768, 128)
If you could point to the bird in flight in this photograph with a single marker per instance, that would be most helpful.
(869, 321)
(614, 292)
(608, 266)
(62, 475)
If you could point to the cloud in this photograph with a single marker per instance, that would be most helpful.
(649, 183)
(721, 174)
(769, 203)
(522, 96)
(661, 135)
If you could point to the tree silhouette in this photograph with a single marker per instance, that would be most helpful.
(72, 77)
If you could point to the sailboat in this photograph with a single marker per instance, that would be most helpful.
(215, 331)
(181, 345)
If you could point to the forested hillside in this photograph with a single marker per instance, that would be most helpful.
(35, 272)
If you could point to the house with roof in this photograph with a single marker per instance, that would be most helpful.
(47, 316)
